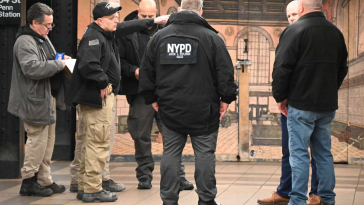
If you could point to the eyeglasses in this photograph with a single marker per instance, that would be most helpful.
(52, 25)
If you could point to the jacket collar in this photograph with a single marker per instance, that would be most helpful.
(189, 17)
(109, 35)
(313, 14)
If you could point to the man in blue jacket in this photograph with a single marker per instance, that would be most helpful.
(141, 116)
(188, 77)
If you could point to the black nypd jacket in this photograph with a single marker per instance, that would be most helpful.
(310, 64)
(187, 70)
(97, 53)
(130, 57)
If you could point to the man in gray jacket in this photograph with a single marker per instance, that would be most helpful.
(32, 98)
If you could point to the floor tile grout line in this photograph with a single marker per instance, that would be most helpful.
(147, 197)
(236, 180)
(357, 185)
(262, 185)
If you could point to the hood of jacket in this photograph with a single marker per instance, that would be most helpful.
(26, 30)
(189, 17)
(133, 15)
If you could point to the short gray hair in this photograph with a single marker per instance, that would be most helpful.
(312, 4)
(192, 5)
(37, 11)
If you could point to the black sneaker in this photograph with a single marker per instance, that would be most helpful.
(102, 196)
(56, 188)
(30, 187)
(112, 186)
(145, 184)
(185, 185)
(79, 195)
(74, 188)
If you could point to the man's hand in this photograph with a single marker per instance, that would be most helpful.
(63, 63)
(223, 109)
(104, 92)
(282, 106)
(161, 19)
(137, 73)
(66, 57)
(155, 106)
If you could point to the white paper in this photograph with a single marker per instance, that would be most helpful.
(70, 63)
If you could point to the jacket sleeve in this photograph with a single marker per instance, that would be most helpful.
(343, 66)
(88, 56)
(147, 76)
(128, 27)
(284, 64)
(31, 66)
(127, 69)
(227, 88)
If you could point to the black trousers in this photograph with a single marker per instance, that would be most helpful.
(204, 147)
(140, 122)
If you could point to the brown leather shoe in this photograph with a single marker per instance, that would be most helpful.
(274, 199)
(314, 200)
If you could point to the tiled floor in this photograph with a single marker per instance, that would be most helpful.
(239, 183)
(227, 144)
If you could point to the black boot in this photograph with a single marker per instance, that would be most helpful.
(30, 187)
(56, 188)
(185, 185)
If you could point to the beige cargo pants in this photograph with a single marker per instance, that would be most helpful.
(95, 128)
(39, 150)
(75, 164)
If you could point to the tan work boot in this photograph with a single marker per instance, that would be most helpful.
(314, 200)
(274, 199)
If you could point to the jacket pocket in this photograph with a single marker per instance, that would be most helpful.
(37, 109)
(100, 132)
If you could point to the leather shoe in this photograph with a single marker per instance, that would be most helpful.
(273, 199)
(314, 200)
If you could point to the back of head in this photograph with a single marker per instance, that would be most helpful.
(312, 5)
(37, 11)
(192, 5)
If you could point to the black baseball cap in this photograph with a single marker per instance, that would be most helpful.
(104, 9)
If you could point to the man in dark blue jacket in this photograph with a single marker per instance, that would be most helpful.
(310, 66)
(141, 116)
(188, 77)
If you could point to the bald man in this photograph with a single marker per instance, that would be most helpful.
(141, 116)
(281, 196)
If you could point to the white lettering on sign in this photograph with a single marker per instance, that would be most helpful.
(9, 14)
(6, 8)
(179, 50)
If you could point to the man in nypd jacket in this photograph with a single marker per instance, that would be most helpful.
(188, 77)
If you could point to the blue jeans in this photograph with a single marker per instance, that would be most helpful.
(285, 185)
(305, 128)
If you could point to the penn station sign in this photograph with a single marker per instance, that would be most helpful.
(10, 12)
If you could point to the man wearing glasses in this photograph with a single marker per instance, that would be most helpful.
(34, 96)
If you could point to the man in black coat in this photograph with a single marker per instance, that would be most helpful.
(140, 119)
(188, 77)
(94, 84)
(310, 66)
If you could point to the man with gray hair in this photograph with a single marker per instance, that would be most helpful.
(34, 98)
(310, 66)
(188, 77)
